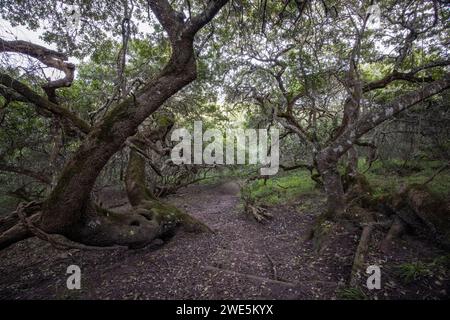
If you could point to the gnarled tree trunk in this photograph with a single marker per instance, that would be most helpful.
(144, 202)
(328, 157)
(69, 209)
(327, 167)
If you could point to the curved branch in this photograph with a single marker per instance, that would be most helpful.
(43, 102)
(173, 22)
(48, 57)
(200, 20)
(26, 172)
(170, 20)
(11, 95)
(408, 76)
(370, 121)
(297, 166)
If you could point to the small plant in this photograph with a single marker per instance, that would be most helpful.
(352, 294)
(410, 272)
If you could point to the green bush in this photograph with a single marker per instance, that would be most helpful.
(280, 189)
(385, 179)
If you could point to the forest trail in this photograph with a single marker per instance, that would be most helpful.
(241, 259)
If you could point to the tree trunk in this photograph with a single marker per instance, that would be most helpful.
(144, 202)
(69, 209)
(327, 167)
(327, 158)
(57, 145)
(135, 183)
(352, 162)
(71, 197)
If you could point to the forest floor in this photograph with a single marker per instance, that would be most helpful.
(242, 259)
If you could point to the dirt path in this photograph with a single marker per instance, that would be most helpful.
(240, 260)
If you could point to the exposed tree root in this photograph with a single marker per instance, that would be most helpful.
(395, 231)
(16, 233)
(250, 276)
(416, 210)
(259, 213)
(57, 241)
(94, 235)
(10, 220)
(362, 249)
(12, 230)
(319, 231)
(274, 267)
(101, 229)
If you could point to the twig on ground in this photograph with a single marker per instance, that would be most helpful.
(274, 268)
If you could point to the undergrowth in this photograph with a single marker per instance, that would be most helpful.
(280, 189)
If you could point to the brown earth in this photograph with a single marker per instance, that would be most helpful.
(242, 259)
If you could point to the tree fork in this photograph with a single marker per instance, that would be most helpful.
(69, 209)
(144, 201)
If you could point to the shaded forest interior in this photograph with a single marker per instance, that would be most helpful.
(97, 97)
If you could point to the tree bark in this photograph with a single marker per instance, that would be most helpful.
(144, 202)
(69, 209)
(352, 162)
(71, 195)
(327, 167)
(328, 157)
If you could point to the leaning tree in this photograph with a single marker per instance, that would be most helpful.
(330, 78)
(69, 209)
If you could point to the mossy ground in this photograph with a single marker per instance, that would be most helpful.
(386, 177)
(281, 189)
(383, 179)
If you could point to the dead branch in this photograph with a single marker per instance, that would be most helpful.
(272, 263)
(361, 250)
(444, 167)
(395, 231)
(48, 57)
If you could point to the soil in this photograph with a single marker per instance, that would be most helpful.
(242, 259)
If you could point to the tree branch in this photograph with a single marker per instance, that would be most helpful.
(408, 76)
(26, 172)
(43, 103)
(48, 57)
(167, 17)
(200, 20)
(370, 121)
